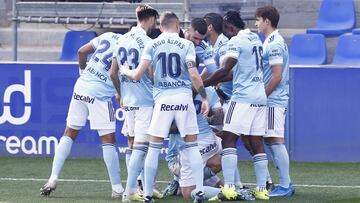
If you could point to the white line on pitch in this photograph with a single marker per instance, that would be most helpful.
(161, 181)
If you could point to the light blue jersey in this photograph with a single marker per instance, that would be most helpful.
(131, 46)
(248, 85)
(276, 52)
(169, 54)
(95, 80)
(220, 48)
(205, 54)
(214, 102)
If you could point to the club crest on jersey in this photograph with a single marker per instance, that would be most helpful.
(173, 107)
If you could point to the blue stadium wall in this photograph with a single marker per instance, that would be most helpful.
(323, 119)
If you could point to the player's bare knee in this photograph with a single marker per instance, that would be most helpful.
(190, 138)
(156, 139)
(108, 138)
(229, 140)
(70, 132)
(257, 145)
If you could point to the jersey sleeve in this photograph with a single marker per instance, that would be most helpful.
(275, 54)
(148, 52)
(222, 53)
(190, 54)
(214, 100)
(233, 50)
(95, 42)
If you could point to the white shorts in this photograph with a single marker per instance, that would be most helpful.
(245, 119)
(275, 117)
(209, 146)
(138, 121)
(125, 129)
(179, 107)
(101, 114)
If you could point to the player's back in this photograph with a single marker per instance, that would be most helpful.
(168, 54)
(248, 85)
(130, 49)
(275, 53)
(95, 79)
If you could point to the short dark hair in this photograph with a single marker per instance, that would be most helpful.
(199, 24)
(167, 18)
(144, 12)
(269, 12)
(215, 20)
(234, 18)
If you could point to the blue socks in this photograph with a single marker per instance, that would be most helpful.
(191, 151)
(61, 153)
(111, 160)
(150, 167)
(229, 165)
(261, 170)
(281, 160)
(127, 157)
(136, 165)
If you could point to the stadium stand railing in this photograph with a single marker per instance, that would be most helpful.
(336, 17)
(347, 50)
(72, 42)
(308, 49)
(117, 13)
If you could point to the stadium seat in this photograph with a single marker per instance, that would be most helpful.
(335, 18)
(347, 50)
(308, 49)
(72, 42)
(356, 31)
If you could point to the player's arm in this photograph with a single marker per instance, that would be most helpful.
(276, 77)
(223, 74)
(114, 75)
(83, 52)
(151, 72)
(198, 85)
(137, 73)
(276, 63)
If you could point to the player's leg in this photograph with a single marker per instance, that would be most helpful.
(142, 118)
(102, 119)
(256, 141)
(274, 139)
(158, 130)
(77, 117)
(188, 183)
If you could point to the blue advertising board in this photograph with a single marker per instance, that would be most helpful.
(323, 121)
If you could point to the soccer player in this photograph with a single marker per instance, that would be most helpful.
(136, 96)
(276, 78)
(175, 73)
(218, 43)
(245, 115)
(91, 100)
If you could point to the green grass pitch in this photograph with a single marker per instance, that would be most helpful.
(315, 182)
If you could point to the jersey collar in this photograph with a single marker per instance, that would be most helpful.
(138, 29)
(221, 38)
(170, 34)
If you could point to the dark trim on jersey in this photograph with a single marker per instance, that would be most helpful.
(230, 112)
(271, 118)
(111, 112)
(202, 45)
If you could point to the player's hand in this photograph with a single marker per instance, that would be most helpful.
(205, 107)
(119, 101)
(124, 69)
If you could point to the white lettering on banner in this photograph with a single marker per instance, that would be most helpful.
(28, 144)
(26, 91)
(120, 116)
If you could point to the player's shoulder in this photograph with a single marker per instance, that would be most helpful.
(110, 35)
